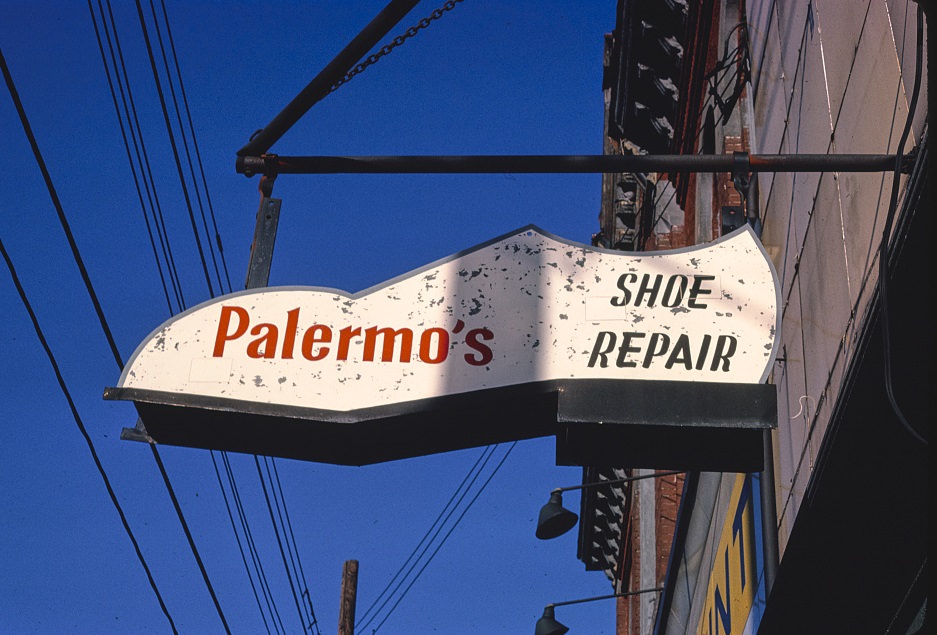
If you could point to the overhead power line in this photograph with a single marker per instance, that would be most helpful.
(237, 538)
(81, 426)
(76, 254)
(176, 108)
(27, 129)
(421, 547)
(125, 109)
(290, 537)
(430, 537)
(189, 142)
(175, 149)
(303, 619)
(446, 536)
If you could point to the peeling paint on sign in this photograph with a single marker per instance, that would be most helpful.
(525, 307)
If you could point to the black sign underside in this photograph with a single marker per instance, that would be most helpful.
(658, 424)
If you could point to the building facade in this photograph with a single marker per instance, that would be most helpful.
(832, 536)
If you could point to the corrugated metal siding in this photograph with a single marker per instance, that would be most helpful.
(829, 80)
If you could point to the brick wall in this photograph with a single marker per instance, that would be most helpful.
(667, 492)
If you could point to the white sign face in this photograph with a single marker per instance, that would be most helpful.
(526, 307)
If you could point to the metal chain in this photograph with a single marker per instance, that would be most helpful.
(397, 41)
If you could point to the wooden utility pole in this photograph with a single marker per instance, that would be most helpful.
(346, 614)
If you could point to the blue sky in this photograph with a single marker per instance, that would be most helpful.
(487, 78)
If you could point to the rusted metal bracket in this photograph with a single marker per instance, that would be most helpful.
(266, 186)
(265, 228)
(266, 165)
(136, 433)
(741, 173)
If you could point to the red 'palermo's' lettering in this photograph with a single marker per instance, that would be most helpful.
(484, 354)
(318, 341)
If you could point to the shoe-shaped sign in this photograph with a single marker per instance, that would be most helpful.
(489, 333)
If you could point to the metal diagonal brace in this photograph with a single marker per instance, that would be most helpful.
(319, 87)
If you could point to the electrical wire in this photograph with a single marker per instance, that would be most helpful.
(151, 189)
(466, 483)
(170, 263)
(276, 531)
(182, 131)
(198, 154)
(129, 112)
(188, 535)
(883, 281)
(432, 534)
(255, 556)
(446, 537)
(123, 134)
(298, 567)
(237, 538)
(142, 156)
(81, 426)
(76, 254)
(46, 177)
(904, 601)
(293, 565)
(175, 149)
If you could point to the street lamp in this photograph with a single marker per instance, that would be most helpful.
(547, 624)
(555, 520)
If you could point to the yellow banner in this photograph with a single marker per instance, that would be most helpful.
(732, 584)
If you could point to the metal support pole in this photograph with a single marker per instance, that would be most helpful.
(249, 165)
(769, 515)
(346, 614)
(618, 481)
(624, 594)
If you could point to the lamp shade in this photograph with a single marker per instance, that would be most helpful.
(555, 520)
(547, 625)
